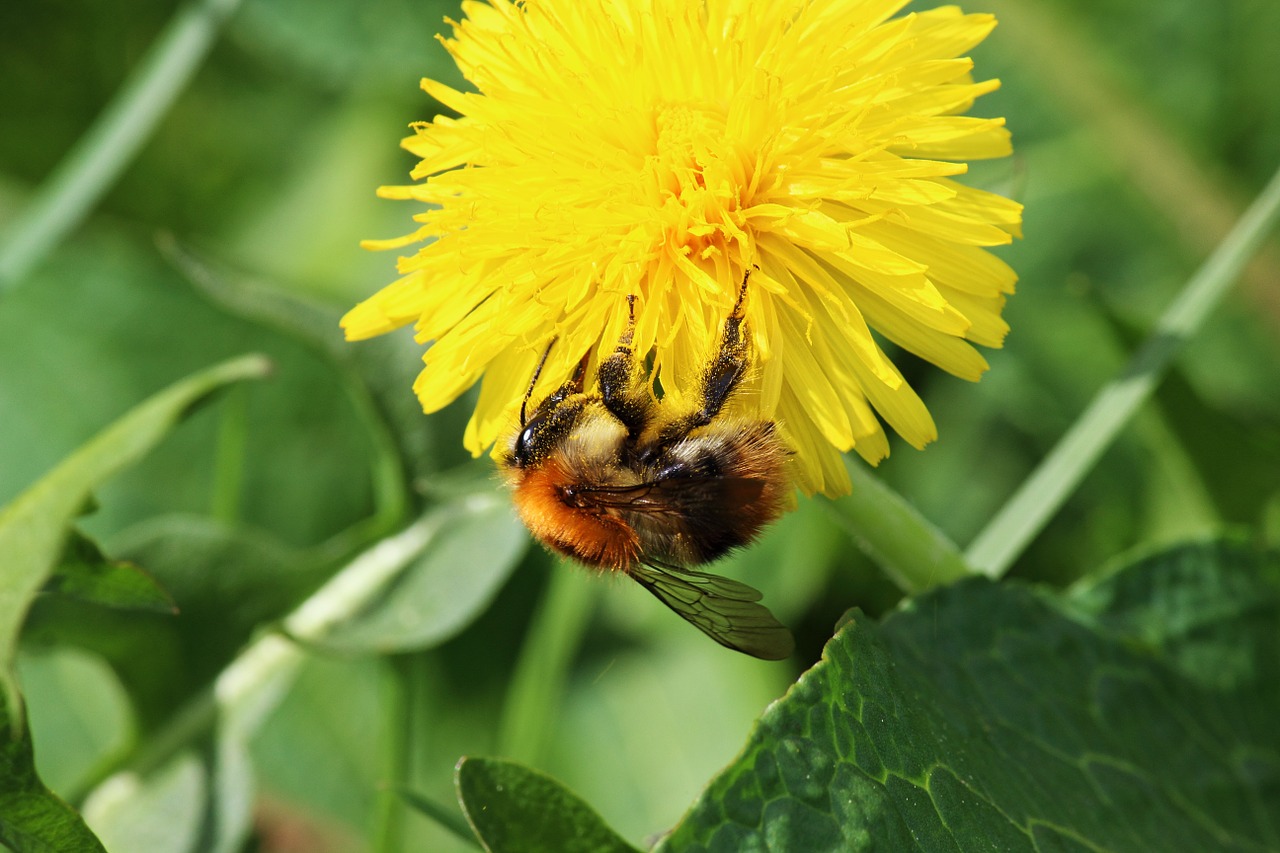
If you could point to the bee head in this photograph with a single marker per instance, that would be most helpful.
(544, 430)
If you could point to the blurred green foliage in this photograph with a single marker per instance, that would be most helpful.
(1141, 129)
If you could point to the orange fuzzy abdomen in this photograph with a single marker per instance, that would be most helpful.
(596, 537)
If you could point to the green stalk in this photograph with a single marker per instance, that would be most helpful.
(533, 698)
(99, 156)
(229, 457)
(911, 551)
(396, 749)
(1041, 495)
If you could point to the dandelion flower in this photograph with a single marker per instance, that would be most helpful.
(660, 148)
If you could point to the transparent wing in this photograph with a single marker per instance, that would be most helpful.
(725, 610)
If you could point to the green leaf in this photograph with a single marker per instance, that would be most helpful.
(32, 819)
(160, 813)
(473, 546)
(1136, 713)
(33, 526)
(84, 572)
(226, 581)
(79, 714)
(512, 808)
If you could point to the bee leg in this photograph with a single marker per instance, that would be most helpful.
(721, 377)
(730, 364)
(573, 385)
(621, 390)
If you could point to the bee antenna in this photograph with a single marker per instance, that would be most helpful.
(537, 371)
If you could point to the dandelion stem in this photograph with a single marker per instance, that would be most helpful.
(914, 553)
(101, 153)
(1040, 496)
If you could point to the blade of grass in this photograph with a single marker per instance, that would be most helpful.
(449, 819)
(99, 156)
(1039, 497)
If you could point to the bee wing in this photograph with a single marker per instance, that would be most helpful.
(681, 495)
(725, 610)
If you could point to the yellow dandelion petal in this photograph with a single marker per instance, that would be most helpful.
(987, 328)
(660, 149)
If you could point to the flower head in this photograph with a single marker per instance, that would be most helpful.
(660, 148)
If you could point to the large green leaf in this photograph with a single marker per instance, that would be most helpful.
(226, 581)
(34, 525)
(158, 813)
(473, 546)
(517, 810)
(32, 819)
(1134, 714)
(86, 573)
(79, 715)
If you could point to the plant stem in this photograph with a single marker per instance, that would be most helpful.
(533, 699)
(1041, 495)
(915, 554)
(397, 730)
(229, 457)
(99, 156)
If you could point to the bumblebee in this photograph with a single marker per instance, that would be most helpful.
(623, 482)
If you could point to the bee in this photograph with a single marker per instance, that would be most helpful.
(624, 482)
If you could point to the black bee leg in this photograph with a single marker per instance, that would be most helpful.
(573, 385)
(621, 389)
(730, 364)
(722, 375)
